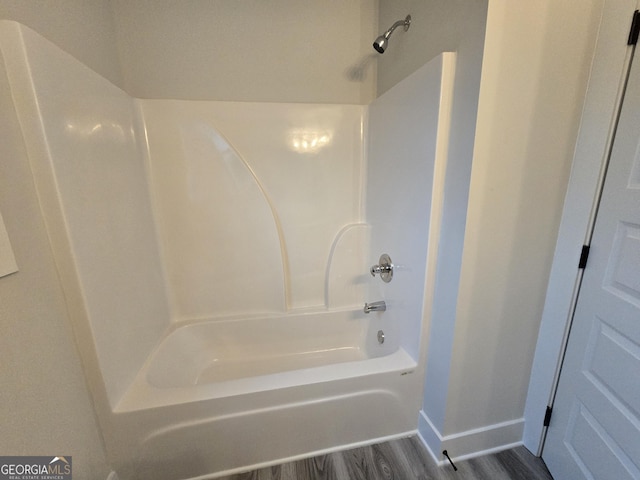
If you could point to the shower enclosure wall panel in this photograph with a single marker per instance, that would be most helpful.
(347, 272)
(407, 152)
(251, 197)
(83, 150)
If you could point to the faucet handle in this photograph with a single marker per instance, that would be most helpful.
(384, 268)
(376, 269)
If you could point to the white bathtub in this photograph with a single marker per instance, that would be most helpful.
(211, 396)
(219, 396)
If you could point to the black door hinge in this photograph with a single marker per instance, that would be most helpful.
(584, 256)
(635, 29)
(547, 417)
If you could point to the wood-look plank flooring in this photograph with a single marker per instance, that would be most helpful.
(403, 459)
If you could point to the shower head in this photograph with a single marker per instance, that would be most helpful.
(383, 40)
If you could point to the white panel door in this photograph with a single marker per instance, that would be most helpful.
(595, 428)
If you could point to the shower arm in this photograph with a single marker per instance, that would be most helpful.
(399, 23)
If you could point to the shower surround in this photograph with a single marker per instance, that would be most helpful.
(215, 260)
(252, 201)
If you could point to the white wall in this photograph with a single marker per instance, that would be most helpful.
(276, 51)
(45, 408)
(535, 69)
(83, 28)
(534, 80)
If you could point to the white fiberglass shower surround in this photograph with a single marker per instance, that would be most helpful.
(215, 260)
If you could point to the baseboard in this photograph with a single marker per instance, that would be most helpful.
(430, 437)
(472, 443)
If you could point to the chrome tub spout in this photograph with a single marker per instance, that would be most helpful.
(375, 307)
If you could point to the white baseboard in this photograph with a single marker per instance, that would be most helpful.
(472, 443)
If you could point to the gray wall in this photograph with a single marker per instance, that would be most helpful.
(511, 170)
(252, 51)
(84, 28)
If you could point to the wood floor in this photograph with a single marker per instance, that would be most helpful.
(403, 459)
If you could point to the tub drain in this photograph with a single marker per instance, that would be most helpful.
(380, 336)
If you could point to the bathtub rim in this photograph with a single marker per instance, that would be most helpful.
(196, 343)
(143, 396)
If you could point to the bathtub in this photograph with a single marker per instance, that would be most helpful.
(218, 396)
(212, 394)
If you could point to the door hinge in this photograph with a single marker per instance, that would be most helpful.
(547, 417)
(584, 256)
(635, 29)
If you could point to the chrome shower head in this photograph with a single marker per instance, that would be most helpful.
(383, 40)
(380, 44)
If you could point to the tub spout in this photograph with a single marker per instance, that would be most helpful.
(375, 307)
